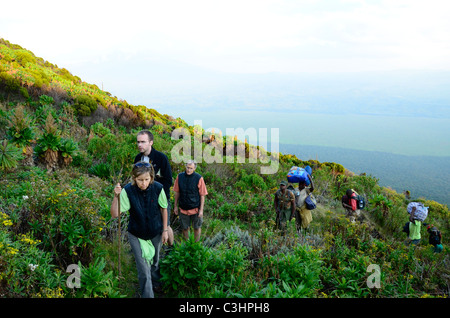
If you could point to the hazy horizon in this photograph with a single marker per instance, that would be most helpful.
(399, 112)
(376, 59)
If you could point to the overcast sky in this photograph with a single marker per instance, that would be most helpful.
(236, 36)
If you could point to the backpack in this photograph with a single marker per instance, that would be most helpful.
(435, 236)
(360, 202)
(310, 202)
(297, 174)
(295, 192)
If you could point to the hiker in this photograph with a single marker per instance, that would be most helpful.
(190, 192)
(284, 205)
(418, 213)
(435, 238)
(161, 166)
(350, 205)
(414, 228)
(303, 211)
(147, 228)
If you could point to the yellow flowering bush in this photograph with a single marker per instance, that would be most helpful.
(5, 220)
(24, 268)
(55, 214)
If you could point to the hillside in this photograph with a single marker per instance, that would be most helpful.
(64, 143)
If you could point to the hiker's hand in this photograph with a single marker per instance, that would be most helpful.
(175, 210)
(117, 190)
(165, 237)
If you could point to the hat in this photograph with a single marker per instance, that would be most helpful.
(284, 183)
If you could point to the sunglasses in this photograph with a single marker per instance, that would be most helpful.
(142, 164)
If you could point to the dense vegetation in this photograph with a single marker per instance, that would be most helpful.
(64, 143)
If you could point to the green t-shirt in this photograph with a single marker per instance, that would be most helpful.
(414, 230)
(125, 202)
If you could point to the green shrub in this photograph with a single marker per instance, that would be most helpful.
(85, 105)
(47, 141)
(95, 282)
(20, 130)
(68, 147)
(24, 57)
(26, 270)
(100, 147)
(185, 269)
(10, 83)
(102, 170)
(192, 269)
(251, 182)
(63, 216)
(301, 267)
(45, 100)
(99, 129)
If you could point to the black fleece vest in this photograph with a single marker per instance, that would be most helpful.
(145, 215)
(188, 185)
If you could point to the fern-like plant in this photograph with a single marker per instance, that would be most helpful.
(9, 156)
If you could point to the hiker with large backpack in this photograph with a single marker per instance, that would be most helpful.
(284, 205)
(353, 203)
(305, 203)
(147, 203)
(418, 213)
(435, 238)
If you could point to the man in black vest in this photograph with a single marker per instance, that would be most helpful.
(190, 191)
(161, 166)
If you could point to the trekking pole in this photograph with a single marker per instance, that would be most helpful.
(120, 234)
(116, 181)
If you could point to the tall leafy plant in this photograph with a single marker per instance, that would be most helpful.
(9, 156)
(20, 131)
(49, 144)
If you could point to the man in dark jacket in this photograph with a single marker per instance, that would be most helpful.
(161, 166)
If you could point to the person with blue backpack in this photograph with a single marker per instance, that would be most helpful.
(305, 203)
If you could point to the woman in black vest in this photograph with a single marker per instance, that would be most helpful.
(147, 227)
